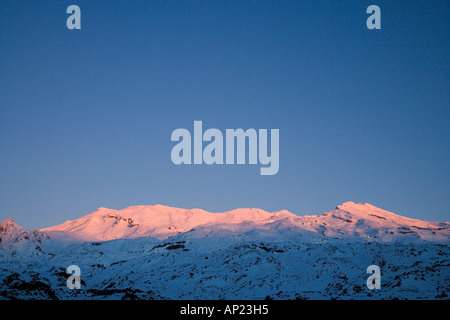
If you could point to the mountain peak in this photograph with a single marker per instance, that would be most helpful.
(9, 226)
(348, 203)
(8, 221)
(14, 235)
(355, 205)
(367, 210)
(102, 209)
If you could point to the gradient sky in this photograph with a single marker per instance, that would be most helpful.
(86, 115)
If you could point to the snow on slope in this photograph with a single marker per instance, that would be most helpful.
(356, 220)
(172, 253)
(14, 237)
(152, 221)
(349, 220)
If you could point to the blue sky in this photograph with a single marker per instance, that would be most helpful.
(86, 115)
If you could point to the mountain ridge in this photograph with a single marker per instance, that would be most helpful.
(347, 220)
(14, 236)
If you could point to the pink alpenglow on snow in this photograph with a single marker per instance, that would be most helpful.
(350, 220)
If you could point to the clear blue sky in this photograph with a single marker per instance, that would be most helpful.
(86, 115)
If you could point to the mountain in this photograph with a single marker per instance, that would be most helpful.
(14, 237)
(350, 220)
(159, 252)
(156, 221)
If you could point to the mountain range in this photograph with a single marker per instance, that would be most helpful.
(161, 222)
(161, 252)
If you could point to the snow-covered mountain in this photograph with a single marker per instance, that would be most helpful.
(156, 221)
(159, 252)
(350, 220)
(13, 237)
